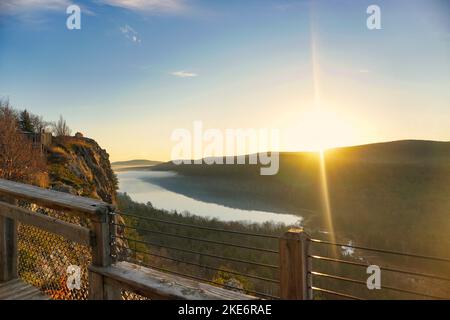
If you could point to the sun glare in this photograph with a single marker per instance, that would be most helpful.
(319, 129)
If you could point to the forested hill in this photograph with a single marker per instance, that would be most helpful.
(384, 194)
(403, 151)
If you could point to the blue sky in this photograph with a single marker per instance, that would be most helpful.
(138, 69)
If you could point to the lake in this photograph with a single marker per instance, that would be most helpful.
(138, 185)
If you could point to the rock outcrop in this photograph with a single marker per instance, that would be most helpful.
(80, 166)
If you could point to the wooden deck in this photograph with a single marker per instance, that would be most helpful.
(18, 290)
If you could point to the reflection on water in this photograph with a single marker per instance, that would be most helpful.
(139, 190)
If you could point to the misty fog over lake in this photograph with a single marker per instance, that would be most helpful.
(145, 186)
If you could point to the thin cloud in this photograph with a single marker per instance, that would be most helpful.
(184, 74)
(130, 33)
(285, 6)
(363, 71)
(32, 10)
(21, 6)
(167, 6)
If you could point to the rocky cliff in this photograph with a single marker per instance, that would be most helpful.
(80, 166)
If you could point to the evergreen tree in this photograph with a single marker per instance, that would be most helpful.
(25, 121)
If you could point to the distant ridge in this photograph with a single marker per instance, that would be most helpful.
(399, 151)
(402, 151)
(135, 163)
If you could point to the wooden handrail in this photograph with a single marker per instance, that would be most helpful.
(68, 230)
(159, 285)
(52, 199)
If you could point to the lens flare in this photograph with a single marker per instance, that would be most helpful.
(325, 198)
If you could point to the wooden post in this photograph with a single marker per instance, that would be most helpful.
(295, 282)
(101, 257)
(101, 249)
(96, 291)
(8, 246)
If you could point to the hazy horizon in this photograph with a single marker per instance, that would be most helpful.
(291, 151)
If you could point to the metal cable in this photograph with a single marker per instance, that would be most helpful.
(200, 253)
(199, 227)
(364, 283)
(344, 295)
(205, 267)
(425, 275)
(210, 241)
(381, 250)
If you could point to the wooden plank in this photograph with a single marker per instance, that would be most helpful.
(101, 248)
(18, 290)
(8, 245)
(95, 286)
(159, 285)
(112, 291)
(35, 296)
(54, 199)
(6, 283)
(8, 286)
(19, 293)
(68, 230)
(294, 266)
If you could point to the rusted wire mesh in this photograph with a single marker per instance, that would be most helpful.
(128, 295)
(51, 262)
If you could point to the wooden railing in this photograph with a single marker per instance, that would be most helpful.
(107, 278)
(97, 237)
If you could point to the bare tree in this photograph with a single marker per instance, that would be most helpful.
(19, 160)
(8, 111)
(60, 128)
(38, 123)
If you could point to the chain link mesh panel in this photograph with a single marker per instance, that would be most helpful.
(50, 262)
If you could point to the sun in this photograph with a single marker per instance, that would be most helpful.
(318, 128)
